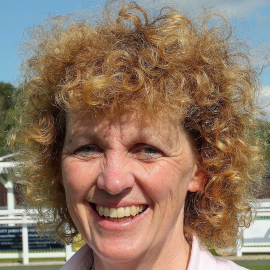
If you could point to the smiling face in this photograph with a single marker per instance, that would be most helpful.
(126, 182)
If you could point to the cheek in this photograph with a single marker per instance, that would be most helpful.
(165, 181)
(78, 177)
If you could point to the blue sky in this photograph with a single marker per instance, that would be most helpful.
(250, 18)
(18, 15)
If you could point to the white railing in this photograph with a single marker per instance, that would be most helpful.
(18, 216)
(256, 238)
(6, 165)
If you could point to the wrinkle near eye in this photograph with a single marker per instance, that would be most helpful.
(146, 152)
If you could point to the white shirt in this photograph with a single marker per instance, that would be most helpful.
(200, 259)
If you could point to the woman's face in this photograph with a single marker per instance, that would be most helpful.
(126, 182)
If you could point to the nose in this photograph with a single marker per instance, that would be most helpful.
(116, 177)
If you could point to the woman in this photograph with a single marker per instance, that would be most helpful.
(137, 134)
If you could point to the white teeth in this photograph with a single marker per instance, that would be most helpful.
(106, 212)
(127, 211)
(133, 210)
(119, 212)
(113, 213)
(101, 210)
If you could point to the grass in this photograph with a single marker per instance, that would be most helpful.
(257, 267)
(20, 260)
(47, 267)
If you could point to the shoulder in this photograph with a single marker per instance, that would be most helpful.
(81, 260)
(202, 259)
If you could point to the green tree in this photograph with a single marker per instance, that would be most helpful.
(263, 132)
(6, 112)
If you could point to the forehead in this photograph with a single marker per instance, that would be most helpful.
(128, 125)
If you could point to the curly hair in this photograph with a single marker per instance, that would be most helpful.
(194, 71)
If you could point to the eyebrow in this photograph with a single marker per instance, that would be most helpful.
(85, 136)
(85, 133)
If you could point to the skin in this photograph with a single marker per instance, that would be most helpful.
(125, 162)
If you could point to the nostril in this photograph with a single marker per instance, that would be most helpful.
(115, 184)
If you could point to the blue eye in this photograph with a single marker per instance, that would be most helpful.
(147, 152)
(151, 150)
(87, 150)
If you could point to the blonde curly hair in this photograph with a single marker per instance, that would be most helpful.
(194, 71)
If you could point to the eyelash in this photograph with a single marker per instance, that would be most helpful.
(84, 147)
(149, 147)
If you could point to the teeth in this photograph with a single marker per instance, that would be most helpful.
(106, 212)
(119, 212)
(113, 213)
(101, 210)
(133, 210)
(127, 211)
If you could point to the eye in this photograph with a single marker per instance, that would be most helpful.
(89, 150)
(150, 150)
(147, 152)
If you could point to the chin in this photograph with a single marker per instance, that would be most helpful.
(120, 252)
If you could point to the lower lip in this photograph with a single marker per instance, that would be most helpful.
(106, 223)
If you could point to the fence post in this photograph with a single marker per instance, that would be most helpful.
(239, 252)
(25, 240)
(239, 243)
(68, 251)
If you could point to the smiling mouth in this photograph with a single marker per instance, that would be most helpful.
(119, 213)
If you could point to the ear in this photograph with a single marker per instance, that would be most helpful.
(197, 180)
